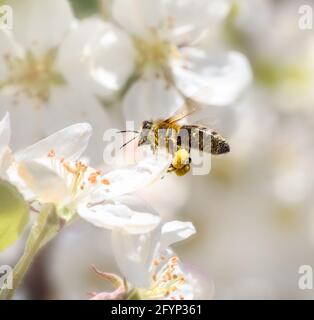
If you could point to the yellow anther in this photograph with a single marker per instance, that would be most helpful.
(105, 182)
(69, 168)
(51, 153)
(156, 262)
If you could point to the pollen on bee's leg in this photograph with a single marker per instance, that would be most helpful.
(180, 159)
(183, 171)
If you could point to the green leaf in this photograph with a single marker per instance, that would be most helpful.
(14, 214)
(84, 8)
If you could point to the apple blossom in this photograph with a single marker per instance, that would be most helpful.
(150, 50)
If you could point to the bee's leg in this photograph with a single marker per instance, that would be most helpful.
(183, 171)
(171, 169)
(179, 172)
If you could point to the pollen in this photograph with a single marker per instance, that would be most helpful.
(174, 288)
(105, 182)
(93, 177)
(68, 168)
(51, 153)
(167, 279)
(156, 262)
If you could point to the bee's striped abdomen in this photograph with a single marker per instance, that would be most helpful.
(202, 139)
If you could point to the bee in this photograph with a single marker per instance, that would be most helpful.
(180, 139)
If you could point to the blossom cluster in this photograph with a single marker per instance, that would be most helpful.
(52, 172)
(148, 59)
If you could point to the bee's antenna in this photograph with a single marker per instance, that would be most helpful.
(128, 142)
(125, 131)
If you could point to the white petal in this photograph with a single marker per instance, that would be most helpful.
(76, 104)
(184, 289)
(175, 231)
(22, 111)
(149, 99)
(75, 56)
(69, 143)
(8, 49)
(43, 182)
(138, 16)
(40, 25)
(200, 282)
(5, 131)
(217, 80)
(187, 20)
(112, 57)
(13, 176)
(128, 214)
(136, 177)
(134, 255)
(5, 152)
(182, 21)
(73, 48)
(6, 159)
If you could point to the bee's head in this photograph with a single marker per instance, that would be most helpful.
(145, 132)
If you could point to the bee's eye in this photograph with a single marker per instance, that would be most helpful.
(214, 133)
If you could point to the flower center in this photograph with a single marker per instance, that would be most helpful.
(167, 281)
(154, 53)
(33, 76)
(79, 177)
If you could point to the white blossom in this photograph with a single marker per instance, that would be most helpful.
(51, 171)
(153, 46)
(44, 82)
(149, 265)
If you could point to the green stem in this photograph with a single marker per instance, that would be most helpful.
(134, 295)
(44, 229)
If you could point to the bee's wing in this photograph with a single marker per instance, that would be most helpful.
(195, 112)
(192, 107)
(189, 108)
